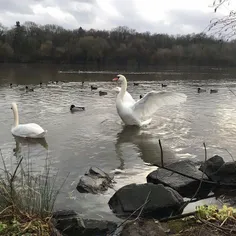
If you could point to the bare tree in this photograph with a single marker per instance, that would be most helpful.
(224, 27)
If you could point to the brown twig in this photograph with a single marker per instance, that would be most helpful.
(146, 201)
(4, 166)
(231, 91)
(224, 229)
(177, 217)
(220, 3)
(162, 160)
(225, 149)
(194, 178)
(14, 174)
(200, 184)
(140, 208)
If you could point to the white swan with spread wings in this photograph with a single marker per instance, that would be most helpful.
(139, 113)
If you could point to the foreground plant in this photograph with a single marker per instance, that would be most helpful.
(27, 199)
(212, 213)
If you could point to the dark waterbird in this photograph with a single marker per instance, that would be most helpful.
(163, 85)
(74, 108)
(214, 91)
(101, 93)
(11, 85)
(94, 87)
(136, 84)
(200, 90)
(29, 89)
(140, 96)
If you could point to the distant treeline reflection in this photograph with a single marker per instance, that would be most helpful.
(121, 46)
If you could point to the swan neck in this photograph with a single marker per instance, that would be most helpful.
(123, 88)
(16, 116)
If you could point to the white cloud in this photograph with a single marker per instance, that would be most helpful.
(161, 16)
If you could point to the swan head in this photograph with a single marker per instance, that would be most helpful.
(13, 106)
(120, 78)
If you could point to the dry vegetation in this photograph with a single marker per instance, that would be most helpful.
(26, 199)
(207, 221)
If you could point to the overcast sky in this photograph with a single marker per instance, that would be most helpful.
(161, 16)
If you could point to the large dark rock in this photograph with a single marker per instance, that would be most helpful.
(70, 224)
(212, 165)
(163, 201)
(94, 181)
(183, 185)
(219, 171)
(143, 227)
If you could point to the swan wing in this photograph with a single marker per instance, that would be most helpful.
(30, 130)
(153, 100)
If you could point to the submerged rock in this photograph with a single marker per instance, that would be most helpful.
(163, 201)
(143, 227)
(70, 224)
(94, 181)
(183, 185)
(220, 171)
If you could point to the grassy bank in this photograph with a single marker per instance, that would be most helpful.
(27, 198)
(207, 221)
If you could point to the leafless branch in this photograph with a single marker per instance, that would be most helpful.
(200, 184)
(141, 210)
(162, 161)
(224, 27)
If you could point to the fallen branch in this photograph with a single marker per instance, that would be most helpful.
(162, 160)
(197, 199)
(177, 217)
(200, 184)
(218, 184)
(231, 91)
(146, 201)
(140, 208)
(224, 229)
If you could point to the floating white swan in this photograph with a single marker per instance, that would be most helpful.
(139, 113)
(30, 130)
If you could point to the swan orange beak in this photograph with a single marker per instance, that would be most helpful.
(115, 79)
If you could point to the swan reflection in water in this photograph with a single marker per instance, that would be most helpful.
(28, 142)
(147, 144)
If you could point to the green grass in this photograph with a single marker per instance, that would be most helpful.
(27, 198)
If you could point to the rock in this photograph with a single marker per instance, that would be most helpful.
(94, 181)
(183, 185)
(71, 224)
(143, 228)
(212, 165)
(226, 197)
(163, 201)
(226, 173)
(223, 173)
(219, 171)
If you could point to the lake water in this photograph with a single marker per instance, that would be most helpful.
(96, 136)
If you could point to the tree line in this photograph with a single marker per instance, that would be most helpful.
(122, 46)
